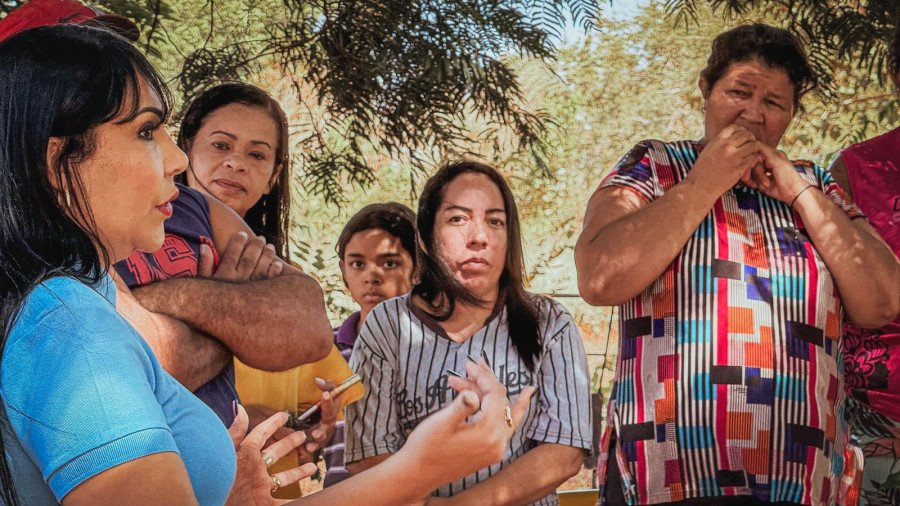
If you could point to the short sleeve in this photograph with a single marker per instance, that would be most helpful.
(564, 414)
(79, 391)
(634, 172)
(372, 424)
(837, 194)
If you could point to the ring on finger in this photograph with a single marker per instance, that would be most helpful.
(276, 483)
(268, 459)
(507, 415)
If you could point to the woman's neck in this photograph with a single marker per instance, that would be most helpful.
(467, 319)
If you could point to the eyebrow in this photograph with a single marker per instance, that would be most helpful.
(380, 255)
(150, 109)
(452, 207)
(751, 85)
(234, 137)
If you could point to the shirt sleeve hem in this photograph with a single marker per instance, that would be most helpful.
(613, 183)
(97, 460)
(367, 452)
(562, 439)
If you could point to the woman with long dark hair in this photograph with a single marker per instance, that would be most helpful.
(471, 302)
(88, 415)
(236, 137)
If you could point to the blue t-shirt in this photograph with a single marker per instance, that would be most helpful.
(84, 393)
(179, 256)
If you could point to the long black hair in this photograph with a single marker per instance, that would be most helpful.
(270, 217)
(56, 82)
(440, 288)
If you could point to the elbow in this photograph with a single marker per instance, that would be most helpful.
(571, 465)
(321, 346)
(596, 290)
(307, 346)
(599, 282)
(877, 316)
(591, 284)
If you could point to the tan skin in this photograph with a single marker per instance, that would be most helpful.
(626, 243)
(470, 228)
(375, 267)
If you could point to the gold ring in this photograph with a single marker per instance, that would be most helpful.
(268, 459)
(507, 415)
(276, 483)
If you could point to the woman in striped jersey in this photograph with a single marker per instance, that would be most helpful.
(470, 302)
(727, 259)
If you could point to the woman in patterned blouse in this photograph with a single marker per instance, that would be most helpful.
(727, 259)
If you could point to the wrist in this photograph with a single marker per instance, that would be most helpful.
(800, 193)
(702, 190)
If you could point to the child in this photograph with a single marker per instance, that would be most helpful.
(377, 260)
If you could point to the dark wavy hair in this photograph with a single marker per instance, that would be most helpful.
(776, 47)
(392, 217)
(56, 82)
(270, 217)
(440, 288)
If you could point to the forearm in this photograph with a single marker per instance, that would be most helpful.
(528, 478)
(272, 324)
(365, 464)
(189, 356)
(618, 261)
(396, 480)
(864, 269)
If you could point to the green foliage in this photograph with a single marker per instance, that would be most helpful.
(397, 78)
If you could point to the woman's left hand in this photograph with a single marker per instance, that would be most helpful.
(776, 176)
(252, 483)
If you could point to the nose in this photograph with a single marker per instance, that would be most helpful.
(753, 112)
(174, 161)
(373, 275)
(235, 162)
(477, 234)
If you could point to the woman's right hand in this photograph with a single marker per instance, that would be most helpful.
(252, 483)
(728, 158)
(470, 434)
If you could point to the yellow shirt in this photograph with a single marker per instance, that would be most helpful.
(294, 390)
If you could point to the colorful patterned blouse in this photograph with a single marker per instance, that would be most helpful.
(729, 379)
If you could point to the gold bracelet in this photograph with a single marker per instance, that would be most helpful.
(800, 193)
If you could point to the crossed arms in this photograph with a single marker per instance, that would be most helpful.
(260, 309)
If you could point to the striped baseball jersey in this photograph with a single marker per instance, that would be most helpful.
(729, 378)
(402, 356)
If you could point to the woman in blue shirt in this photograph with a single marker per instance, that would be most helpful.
(88, 415)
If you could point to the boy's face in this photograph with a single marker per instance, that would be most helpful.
(376, 267)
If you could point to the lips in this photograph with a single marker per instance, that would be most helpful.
(230, 185)
(475, 265)
(373, 296)
(166, 207)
